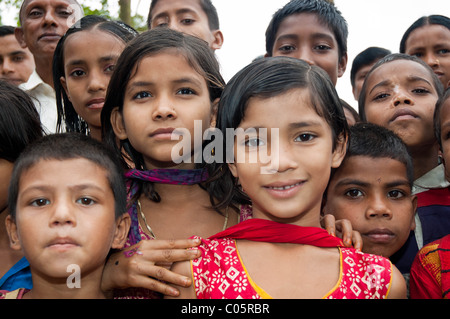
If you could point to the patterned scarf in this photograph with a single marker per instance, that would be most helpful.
(163, 176)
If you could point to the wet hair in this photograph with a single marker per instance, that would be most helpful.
(66, 112)
(327, 14)
(67, 146)
(266, 78)
(437, 115)
(368, 139)
(206, 5)
(390, 58)
(366, 57)
(423, 21)
(6, 30)
(152, 42)
(19, 121)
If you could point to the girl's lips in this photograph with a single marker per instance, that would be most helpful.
(96, 103)
(284, 189)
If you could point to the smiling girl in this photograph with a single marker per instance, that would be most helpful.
(282, 252)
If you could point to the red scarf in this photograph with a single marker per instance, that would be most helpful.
(269, 231)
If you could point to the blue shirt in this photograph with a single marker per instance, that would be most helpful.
(19, 276)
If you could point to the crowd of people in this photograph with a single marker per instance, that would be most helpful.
(131, 169)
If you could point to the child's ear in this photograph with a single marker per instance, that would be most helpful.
(63, 82)
(214, 110)
(123, 224)
(218, 40)
(342, 65)
(118, 125)
(413, 220)
(233, 169)
(11, 229)
(339, 151)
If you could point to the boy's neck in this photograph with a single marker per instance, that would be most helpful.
(424, 161)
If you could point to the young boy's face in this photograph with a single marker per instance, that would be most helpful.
(65, 215)
(374, 194)
(186, 16)
(445, 136)
(16, 63)
(400, 96)
(304, 37)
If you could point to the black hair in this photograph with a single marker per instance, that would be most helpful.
(267, 78)
(66, 112)
(390, 58)
(368, 139)
(326, 12)
(19, 121)
(6, 30)
(366, 57)
(66, 146)
(437, 115)
(206, 5)
(197, 53)
(426, 20)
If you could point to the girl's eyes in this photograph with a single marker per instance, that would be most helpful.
(186, 91)
(142, 95)
(305, 137)
(254, 142)
(77, 73)
(110, 68)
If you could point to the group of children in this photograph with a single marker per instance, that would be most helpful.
(238, 214)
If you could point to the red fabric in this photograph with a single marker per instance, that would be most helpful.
(435, 196)
(269, 231)
(444, 255)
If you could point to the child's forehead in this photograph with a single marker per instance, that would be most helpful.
(364, 166)
(307, 22)
(401, 69)
(57, 168)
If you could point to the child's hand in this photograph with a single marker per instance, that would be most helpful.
(147, 265)
(343, 229)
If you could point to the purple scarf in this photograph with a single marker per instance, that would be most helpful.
(163, 176)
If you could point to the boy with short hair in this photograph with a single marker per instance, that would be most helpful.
(311, 30)
(373, 189)
(67, 201)
(16, 63)
(195, 17)
(362, 64)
